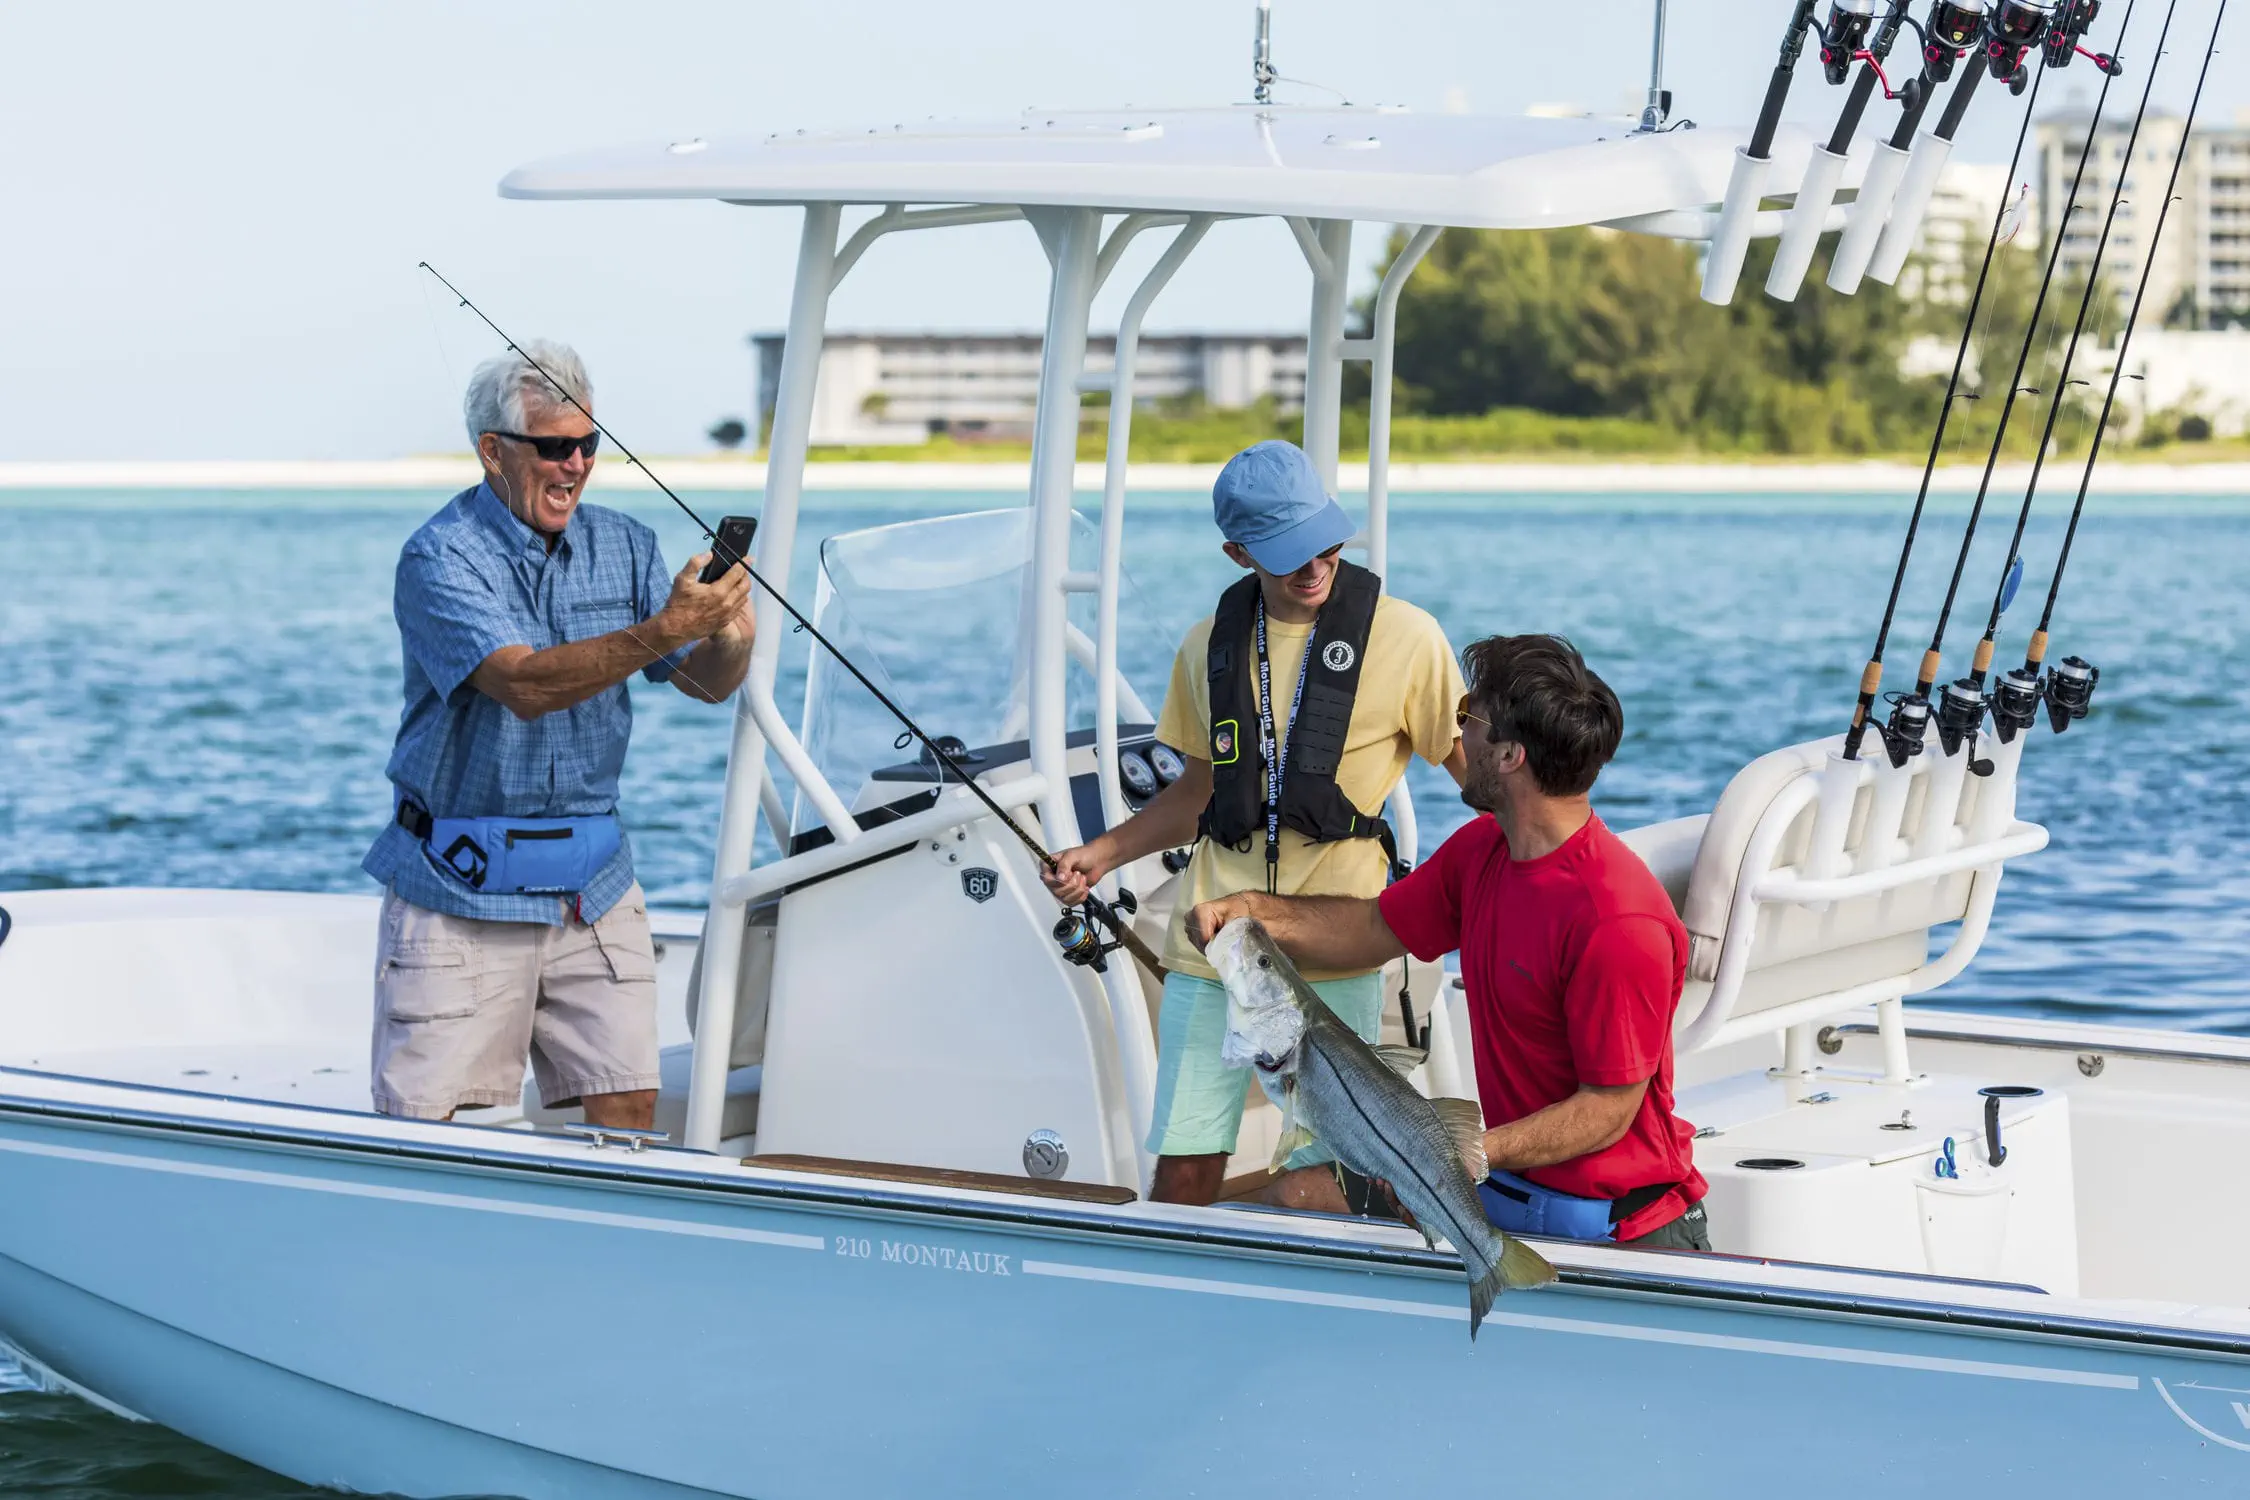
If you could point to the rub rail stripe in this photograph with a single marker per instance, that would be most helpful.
(795, 1191)
(1582, 1327)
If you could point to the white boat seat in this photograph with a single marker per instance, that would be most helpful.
(1907, 856)
(983, 1182)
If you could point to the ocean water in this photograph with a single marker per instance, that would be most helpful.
(201, 689)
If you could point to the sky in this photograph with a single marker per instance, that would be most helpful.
(210, 216)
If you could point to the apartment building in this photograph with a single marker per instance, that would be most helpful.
(884, 389)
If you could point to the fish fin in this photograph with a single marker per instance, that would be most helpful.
(1402, 1060)
(1293, 1140)
(1293, 1135)
(1464, 1121)
(1519, 1266)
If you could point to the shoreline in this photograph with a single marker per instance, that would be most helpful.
(708, 474)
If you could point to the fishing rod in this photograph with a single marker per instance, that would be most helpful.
(2069, 684)
(1081, 945)
(2012, 30)
(1952, 28)
(1960, 708)
(1825, 169)
(1910, 712)
(1730, 241)
(2015, 697)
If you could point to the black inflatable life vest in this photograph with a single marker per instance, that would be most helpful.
(1311, 802)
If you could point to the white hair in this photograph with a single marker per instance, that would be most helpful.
(504, 388)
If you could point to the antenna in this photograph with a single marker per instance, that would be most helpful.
(1262, 72)
(1659, 106)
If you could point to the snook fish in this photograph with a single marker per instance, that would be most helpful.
(1353, 1098)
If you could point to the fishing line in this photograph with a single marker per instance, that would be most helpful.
(2069, 687)
(1101, 910)
(1958, 716)
(1871, 678)
(2011, 568)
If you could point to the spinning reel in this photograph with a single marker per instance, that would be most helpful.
(2015, 703)
(1843, 37)
(1953, 28)
(1081, 940)
(2070, 690)
(2012, 29)
(2069, 30)
(1960, 714)
(1908, 729)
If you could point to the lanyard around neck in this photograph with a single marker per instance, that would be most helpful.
(1275, 747)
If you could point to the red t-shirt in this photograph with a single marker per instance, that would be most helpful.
(1573, 964)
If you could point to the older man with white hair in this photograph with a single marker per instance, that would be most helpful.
(512, 926)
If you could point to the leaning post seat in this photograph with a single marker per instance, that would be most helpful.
(1816, 881)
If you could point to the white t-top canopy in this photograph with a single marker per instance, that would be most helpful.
(1370, 164)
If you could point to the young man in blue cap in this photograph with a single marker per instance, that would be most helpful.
(1296, 707)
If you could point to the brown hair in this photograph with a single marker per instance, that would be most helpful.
(1538, 691)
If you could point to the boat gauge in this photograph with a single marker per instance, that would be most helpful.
(1138, 777)
(1167, 763)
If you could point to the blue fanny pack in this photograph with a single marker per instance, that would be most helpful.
(517, 856)
(1521, 1206)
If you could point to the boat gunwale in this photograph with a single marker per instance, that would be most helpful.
(743, 1181)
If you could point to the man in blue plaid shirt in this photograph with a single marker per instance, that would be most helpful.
(512, 925)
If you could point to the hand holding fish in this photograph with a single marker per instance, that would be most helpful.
(1353, 1098)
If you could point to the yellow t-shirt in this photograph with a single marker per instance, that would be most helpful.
(1409, 685)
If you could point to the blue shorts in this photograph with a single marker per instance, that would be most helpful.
(1199, 1099)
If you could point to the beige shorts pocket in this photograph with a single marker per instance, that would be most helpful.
(626, 945)
(434, 980)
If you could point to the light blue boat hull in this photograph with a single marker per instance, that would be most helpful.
(346, 1317)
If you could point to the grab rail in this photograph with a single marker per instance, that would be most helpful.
(953, 809)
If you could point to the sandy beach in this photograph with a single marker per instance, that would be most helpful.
(708, 474)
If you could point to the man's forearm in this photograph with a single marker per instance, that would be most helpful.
(1326, 932)
(714, 669)
(1588, 1121)
(530, 683)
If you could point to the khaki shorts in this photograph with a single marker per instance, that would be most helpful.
(460, 1003)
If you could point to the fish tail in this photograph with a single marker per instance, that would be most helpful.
(1517, 1266)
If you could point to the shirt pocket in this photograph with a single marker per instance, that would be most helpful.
(431, 979)
(589, 618)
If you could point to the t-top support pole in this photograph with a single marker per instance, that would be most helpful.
(746, 753)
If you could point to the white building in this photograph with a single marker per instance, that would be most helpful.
(879, 389)
(1959, 224)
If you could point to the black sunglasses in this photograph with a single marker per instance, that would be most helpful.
(556, 450)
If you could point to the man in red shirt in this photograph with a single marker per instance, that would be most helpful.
(1571, 955)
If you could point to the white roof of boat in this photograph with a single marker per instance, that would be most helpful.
(1337, 162)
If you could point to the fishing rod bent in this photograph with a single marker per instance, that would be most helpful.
(1902, 736)
(2069, 685)
(1960, 710)
(1103, 911)
(2014, 699)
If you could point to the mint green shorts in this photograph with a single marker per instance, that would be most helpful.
(1199, 1099)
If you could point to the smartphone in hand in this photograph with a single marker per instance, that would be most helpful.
(730, 546)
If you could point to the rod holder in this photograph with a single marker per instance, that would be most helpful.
(1915, 189)
(1801, 235)
(1864, 224)
(1738, 215)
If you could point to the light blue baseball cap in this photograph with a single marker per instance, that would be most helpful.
(1270, 501)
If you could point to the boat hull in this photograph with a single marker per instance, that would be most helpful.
(349, 1316)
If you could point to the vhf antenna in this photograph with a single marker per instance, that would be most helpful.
(1262, 74)
(1659, 106)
